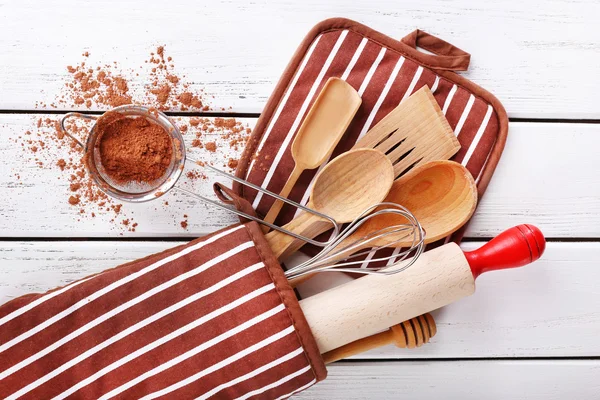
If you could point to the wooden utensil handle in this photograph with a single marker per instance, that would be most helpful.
(401, 335)
(359, 346)
(285, 192)
(305, 224)
(373, 303)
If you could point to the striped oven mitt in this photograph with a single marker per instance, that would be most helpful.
(214, 318)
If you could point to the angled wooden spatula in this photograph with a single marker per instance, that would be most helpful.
(414, 133)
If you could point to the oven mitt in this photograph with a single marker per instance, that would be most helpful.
(214, 317)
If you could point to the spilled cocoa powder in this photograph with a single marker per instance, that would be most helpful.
(133, 149)
(107, 85)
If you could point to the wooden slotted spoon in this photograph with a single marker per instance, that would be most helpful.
(414, 133)
(320, 132)
(347, 186)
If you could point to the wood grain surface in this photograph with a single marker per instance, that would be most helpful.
(547, 176)
(469, 380)
(539, 59)
(549, 309)
(525, 334)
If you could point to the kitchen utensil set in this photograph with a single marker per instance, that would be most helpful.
(414, 133)
(441, 195)
(395, 190)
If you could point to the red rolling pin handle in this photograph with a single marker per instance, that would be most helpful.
(515, 247)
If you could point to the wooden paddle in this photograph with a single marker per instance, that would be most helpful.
(320, 132)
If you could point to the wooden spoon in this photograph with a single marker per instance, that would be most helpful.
(347, 186)
(442, 195)
(320, 132)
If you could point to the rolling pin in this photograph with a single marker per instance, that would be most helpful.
(369, 305)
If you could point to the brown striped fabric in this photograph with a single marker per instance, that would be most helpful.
(384, 72)
(211, 319)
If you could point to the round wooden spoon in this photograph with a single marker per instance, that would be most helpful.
(442, 195)
(347, 186)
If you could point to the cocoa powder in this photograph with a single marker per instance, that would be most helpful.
(133, 149)
(106, 85)
(211, 146)
(232, 163)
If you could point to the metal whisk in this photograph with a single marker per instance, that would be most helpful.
(342, 256)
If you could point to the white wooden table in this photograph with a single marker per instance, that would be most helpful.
(529, 333)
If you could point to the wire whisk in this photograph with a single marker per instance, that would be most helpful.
(363, 237)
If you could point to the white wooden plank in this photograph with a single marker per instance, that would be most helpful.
(547, 176)
(40, 195)
(34, 267)
(549, 309)
(431, 380)
(540, 61)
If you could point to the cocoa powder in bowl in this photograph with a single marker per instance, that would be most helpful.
(133, 149)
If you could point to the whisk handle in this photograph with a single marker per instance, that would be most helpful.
(305, 224)
(278, 205)
(515, 247)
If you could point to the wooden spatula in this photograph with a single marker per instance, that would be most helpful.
(320, 132)
(415, 132)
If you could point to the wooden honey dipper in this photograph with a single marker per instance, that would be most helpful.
(406, 335)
